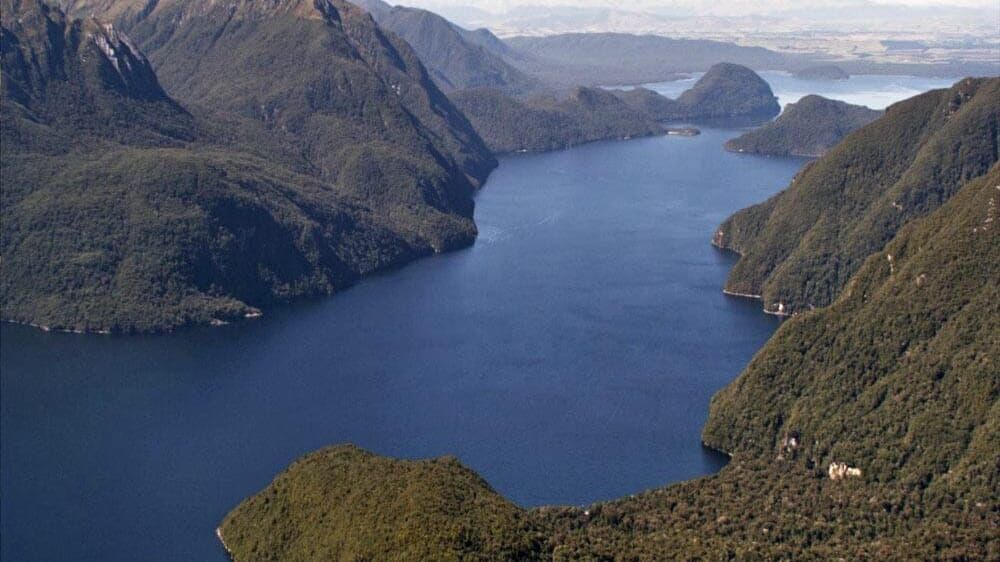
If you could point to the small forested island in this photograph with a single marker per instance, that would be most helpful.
(843, 445)
(822, 72)
(809, 127)
(726, 92)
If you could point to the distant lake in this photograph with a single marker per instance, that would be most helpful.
(568, 357)
(873, 90)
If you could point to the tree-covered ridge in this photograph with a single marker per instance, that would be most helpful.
(544, 123)
(900, 376)
(808, 127)
(800, 248)
(322, 71)
(124, 211)
(458, 59)
(343, 503)
(726, 92)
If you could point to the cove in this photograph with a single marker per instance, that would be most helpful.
(568, 356)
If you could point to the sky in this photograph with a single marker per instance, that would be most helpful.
(977, 15)
(715, 6)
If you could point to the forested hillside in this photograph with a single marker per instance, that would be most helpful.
(124, 210)
(800, 248)
(548, 122)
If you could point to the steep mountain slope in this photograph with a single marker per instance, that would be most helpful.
(900, 376)
(726, 92)
(548, 123)
(457, 58)
(123, 211)
(322, 71)
(808, 127)
(867, 430)
(800, 248)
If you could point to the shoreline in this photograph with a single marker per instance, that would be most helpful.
(742, 295)
(218, 534)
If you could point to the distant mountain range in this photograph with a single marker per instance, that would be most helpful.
(516, 112)
(809, 127)
(457, 58)
(306, 149)
(596, 58)
(866, 429)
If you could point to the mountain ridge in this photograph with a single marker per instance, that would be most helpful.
(850, 203)
(162, 214)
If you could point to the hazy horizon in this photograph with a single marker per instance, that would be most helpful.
(979, 18)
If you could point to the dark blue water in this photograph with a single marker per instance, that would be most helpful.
(569, 356)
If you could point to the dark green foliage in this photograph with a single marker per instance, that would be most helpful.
(900, 376)
(846, 206)
(809, 127)
(345, 504)
(726, 92)
(547, 123)
(457, 58)
(124, 211)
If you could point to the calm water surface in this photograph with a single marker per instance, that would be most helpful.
(569, 356)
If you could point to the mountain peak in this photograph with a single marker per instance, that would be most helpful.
(134, 10)
(54, 46)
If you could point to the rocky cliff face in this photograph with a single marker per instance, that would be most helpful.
(124, 210)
